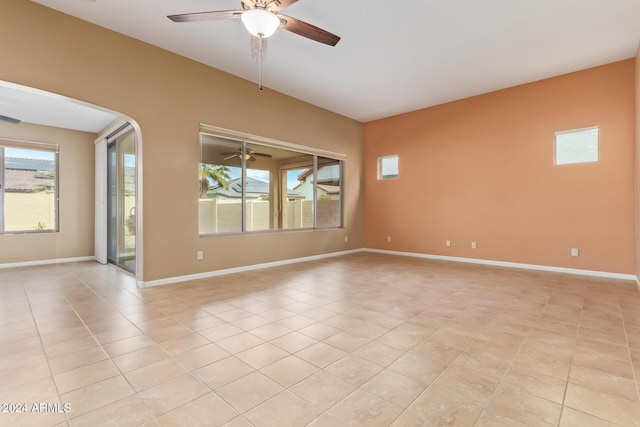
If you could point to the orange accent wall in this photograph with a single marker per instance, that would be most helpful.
(637, 159)
(482, 170)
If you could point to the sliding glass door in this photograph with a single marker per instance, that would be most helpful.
(121, 199)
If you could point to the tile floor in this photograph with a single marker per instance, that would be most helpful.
(360, 340)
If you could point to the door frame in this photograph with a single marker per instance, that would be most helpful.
(101, 192)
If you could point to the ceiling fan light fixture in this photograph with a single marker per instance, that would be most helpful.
(260, 22)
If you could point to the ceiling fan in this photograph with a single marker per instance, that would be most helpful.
(250, 155)
(262, 18)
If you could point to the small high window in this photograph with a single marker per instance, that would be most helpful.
(577, 146)
(388, 167)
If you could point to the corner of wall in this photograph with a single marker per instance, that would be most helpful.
(637, 161)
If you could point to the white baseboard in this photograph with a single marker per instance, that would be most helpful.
(167, 281)
(575, 271)
(46, 262)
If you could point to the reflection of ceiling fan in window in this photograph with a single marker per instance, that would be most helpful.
(250, 155)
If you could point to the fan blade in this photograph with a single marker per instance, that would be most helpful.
(9, 119)
(206, 16)
(262, 155)
(231, 157)
(309, 31)
(277, 5)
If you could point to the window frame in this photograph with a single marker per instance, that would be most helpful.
(34, 146)
(243, 140)
(575, 131)
(382, 177)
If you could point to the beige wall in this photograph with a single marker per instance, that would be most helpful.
(76, 180)
(482, 169)
(169, 96)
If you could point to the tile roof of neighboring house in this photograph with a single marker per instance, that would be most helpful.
(24, 181)
(329, 189)
(25, 175)
(255, 188)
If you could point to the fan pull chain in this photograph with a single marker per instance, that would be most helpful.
(260, 63)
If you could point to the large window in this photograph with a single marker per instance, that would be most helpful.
(251, 186)
(28, 187)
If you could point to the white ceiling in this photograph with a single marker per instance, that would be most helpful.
(394, 56)
(35, 106)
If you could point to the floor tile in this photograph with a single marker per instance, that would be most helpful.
(322, 389)
(269, 413)
(86, 375)
(524, 408)
(319, 330)
(572, 418)
(270, 331)
(201, 356)
(353, 369)
(321, 354)
(139, 358)
(220, 332)
(154, 374)
(603, 405)
(289, 370)
(222, 372)
(394, 387)
(535, 383)
(330, 344)
(379, 353)
(364, 409)
(249, 391)
(240, 342)
(207, 410)
(94, 396)
(604, 381)
(168, 395)
(262, 355)
(293, 342)
(127, 412)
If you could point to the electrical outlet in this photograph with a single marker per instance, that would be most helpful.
(346, 239)
(388, 238)
(474, 245)
(200, 255)
(575, 252)
(448, 243)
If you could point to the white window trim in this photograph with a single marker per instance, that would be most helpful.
(379, 169)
